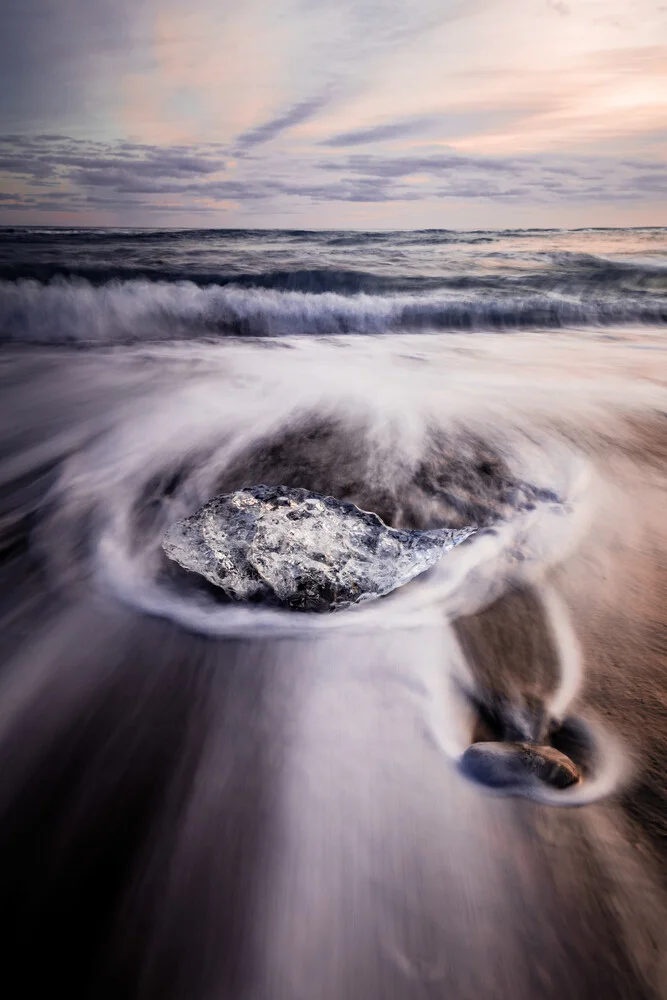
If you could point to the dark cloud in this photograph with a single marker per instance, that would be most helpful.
(484, 189)
(381, 133)
(25, 166)
(445, 125)
(404, 166)
(156, 164)
(560, 169)
(346, 190)
(61, 174)
(351, 189)
(655, 183)
(642, 165)
(340, 55)
(92, 164)
(121, 205)
(301, 112)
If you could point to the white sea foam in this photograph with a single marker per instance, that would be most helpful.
(137, 310)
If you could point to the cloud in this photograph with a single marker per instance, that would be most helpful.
(298, 113)
(653, 183)
(417, 125)
(49, 173)
(25, 166)
(157, 163)
(328, 102)
(95, 163)
(404, 166)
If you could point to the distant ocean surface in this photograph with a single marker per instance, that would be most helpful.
(131, 285)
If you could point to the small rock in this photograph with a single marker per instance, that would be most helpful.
(507, 765)
(300, 549)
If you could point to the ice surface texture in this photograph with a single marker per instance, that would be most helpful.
(301, 550)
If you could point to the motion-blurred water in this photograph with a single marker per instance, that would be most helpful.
(102, 286)
(204, 800)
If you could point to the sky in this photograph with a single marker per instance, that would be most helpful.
(364, 114)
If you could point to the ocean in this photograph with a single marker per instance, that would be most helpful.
(205, 799)
(103, 286)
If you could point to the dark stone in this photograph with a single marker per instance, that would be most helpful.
(513, 765)
(300, 549)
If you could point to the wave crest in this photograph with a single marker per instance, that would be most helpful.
(77, 311)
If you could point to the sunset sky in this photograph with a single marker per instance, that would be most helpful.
(334, 113)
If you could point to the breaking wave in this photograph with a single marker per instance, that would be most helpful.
(77, 311)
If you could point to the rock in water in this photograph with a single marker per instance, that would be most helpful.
(300, 549)
(514, 765)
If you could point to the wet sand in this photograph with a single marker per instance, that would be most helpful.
(257, 813)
